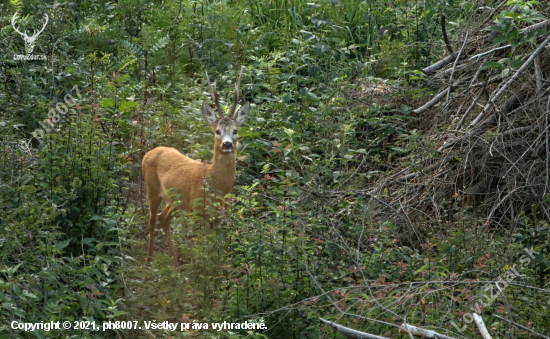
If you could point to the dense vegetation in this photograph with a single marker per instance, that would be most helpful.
(333, 85)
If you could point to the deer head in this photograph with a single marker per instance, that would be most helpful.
(225, 128)
(29, 40)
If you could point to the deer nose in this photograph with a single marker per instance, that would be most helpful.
(227, 145)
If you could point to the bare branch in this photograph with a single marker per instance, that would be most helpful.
(540, 25)
(435, 100)
(351, 333)
(444, 31)
(456, 61)
(547, 147)
(520, 326)
(422, 333)
(538, 73)
(481, 326)
(477, 56)
(440, 64)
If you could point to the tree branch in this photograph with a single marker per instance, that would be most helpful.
(351, 333)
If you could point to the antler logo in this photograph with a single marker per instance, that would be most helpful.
(29, 40)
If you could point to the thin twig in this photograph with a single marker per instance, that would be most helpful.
(521, 326)
(547, 147)
(456, 62)
(473, 103)
(477, 56)
(538, 73)
(356, 170)
(505, 300)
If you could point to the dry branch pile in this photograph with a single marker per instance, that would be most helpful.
(490, 129)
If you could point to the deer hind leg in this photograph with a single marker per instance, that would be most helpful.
(154, 202)
(165, 219)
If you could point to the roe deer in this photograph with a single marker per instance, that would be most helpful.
(165, 168)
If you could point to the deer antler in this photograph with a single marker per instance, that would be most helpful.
(214, 95)
(237, 90)
(13, 23)
(36, 34)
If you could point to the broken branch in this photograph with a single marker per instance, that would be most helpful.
(351, 333)
(481, 326)
(444, 31)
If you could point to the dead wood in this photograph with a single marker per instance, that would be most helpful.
(493, 151)
(351, 333)
(501, 91)
(444, 32)
(422, 333)
(440, 64)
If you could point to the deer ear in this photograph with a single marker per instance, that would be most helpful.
(242, 114)
(208, 113)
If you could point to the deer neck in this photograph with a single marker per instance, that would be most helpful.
(222, 170)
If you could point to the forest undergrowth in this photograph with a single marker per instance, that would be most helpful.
(367, 196)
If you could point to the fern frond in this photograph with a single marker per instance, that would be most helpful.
(160, 44)
(18, 4)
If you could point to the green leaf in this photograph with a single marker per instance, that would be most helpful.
(500, 39)
(29, 294)
(116, 314)
(516, 64)
(287, 97)
(62, 245)
(491, 64)
(496, 28)
(107, 103)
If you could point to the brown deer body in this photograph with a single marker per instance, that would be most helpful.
(165, 168)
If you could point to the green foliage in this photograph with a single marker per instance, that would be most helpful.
(17, 4)
(507, 23)
(297, 244)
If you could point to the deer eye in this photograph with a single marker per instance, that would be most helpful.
(234, 131)
(218, 132)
